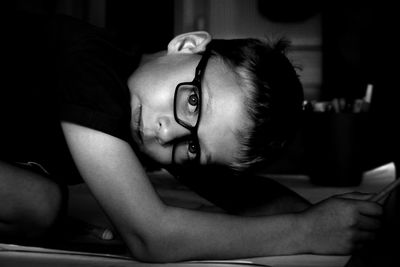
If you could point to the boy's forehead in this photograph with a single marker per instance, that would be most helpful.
(223, 115)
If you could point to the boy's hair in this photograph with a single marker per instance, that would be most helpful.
(274, 95)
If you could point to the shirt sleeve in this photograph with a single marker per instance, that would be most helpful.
(91, 91)
(231, 192)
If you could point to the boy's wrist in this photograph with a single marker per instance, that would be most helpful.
(304, 231)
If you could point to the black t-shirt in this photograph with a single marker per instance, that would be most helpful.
(59, 68)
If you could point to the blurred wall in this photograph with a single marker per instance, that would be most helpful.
(300, 23)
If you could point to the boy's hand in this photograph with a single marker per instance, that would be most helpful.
(341, 224)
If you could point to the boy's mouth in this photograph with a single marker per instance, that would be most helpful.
(138, 123)
(139, 128)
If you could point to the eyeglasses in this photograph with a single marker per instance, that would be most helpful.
(187, 110)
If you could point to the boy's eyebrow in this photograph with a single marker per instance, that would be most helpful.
(207, 91)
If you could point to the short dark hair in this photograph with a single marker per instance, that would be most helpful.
(274, 95)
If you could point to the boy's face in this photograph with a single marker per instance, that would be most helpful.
(157, 130)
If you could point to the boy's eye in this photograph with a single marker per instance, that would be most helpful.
(193, 102)
(193, 149)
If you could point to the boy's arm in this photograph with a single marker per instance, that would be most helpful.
(156, 232)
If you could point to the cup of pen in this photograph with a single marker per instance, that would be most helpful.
(335, 146)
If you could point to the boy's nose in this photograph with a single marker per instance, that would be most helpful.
(169, 130)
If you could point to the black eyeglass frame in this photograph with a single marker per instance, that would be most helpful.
(199, 72)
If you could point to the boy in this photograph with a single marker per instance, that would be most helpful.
(80, 107)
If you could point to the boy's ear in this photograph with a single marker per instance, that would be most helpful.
(189, 43)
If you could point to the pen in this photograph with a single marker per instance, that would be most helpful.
(385, 191)
(368, 97)
(368, 93)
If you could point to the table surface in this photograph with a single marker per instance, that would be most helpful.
(174, 193)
